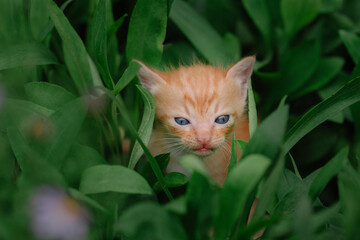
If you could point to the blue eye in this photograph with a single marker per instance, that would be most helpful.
(181, 121)
(222, 119)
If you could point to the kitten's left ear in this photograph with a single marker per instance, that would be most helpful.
(241, 72)
(149, 78)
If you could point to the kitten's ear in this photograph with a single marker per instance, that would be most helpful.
(241, 72)
(149, 79)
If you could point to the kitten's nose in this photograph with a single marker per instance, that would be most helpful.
(203, 137)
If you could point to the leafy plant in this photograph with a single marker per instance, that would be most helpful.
(73, 116)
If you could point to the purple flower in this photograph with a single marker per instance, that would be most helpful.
(55, 215)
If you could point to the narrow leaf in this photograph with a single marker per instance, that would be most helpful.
(233, 157)
(347, 95)
(207, 41)
(147, 30)
(327, 172)
(352, 42)
(75, 53)
(253, 122)
(98, 42)
(105, 178)
(127, 77)
(146, 126)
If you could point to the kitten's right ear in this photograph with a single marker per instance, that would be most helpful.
(149, 79)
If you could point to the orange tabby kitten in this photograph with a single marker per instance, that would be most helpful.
(197, 110)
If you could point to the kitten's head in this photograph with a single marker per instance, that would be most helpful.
(197, 107)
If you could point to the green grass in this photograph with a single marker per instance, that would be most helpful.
(72, 115)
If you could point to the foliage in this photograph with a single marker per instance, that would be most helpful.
(72, 115)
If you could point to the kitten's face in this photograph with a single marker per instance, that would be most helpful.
(197, 107)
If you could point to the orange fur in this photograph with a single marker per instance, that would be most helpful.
(200, 94)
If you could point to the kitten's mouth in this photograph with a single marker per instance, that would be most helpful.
(203, 151)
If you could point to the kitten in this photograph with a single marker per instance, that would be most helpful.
(197, 110)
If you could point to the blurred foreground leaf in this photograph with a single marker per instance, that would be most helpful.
(239, 184)
(105, 178)
(67, 122)
(48, 95)
(35, 169)
(148, 220)
(26, 54)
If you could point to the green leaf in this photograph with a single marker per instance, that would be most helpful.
(327, 172)
(26, 54)
(201, 206)
(242, 145)
(112, 29)
(268, 190)
(34, 168)
(98, 43)
(79, 158)
(349, 193)
(287, 204)
(148, 220)
(259, 12)
(88, 201)
(105, 178)
(17, 112)
(347, 95)
(173, 180)
(352, 42)
(253, 122)
(327, 69)
(127, 77)
(303, 219)
(296, 14)
(147, 30)
(328, 6)
(304, 56)
(66, 122)
(147, 172)
(268, 137)
(146, 126)
(193, 164)
(241, 181)
(154, 165)
(207, 41)
(76, 57)
(47, 95)
(233, 157)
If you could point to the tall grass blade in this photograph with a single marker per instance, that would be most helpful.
(146, 126)
(346, 96)
(98, 43)
(77, 57)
